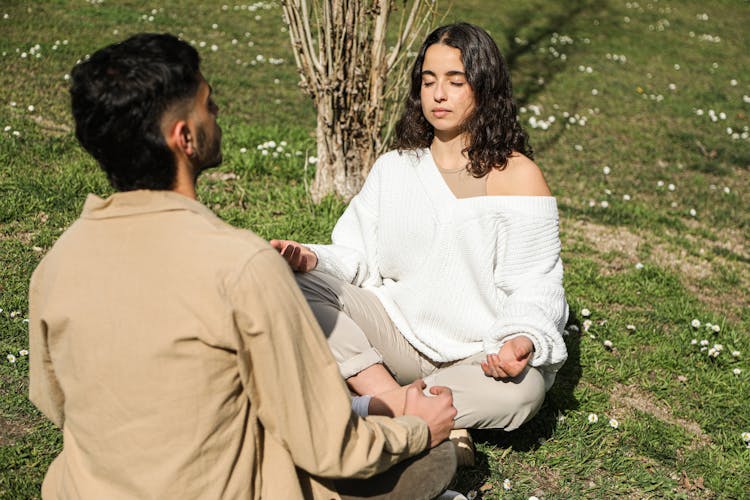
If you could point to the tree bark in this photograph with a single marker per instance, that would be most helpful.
(344, 64)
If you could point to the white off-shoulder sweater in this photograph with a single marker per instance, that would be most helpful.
(456, 276)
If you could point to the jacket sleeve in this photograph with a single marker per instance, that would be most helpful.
(44, 389)
(528, 276)
(352, 256)
(294, 383)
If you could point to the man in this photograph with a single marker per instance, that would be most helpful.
(175, 352)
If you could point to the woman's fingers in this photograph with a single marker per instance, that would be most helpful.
(492, 367)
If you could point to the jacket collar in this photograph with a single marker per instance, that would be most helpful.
(124, 204)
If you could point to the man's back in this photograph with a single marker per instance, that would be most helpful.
(136, 305)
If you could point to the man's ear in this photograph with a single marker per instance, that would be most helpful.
(180, 138)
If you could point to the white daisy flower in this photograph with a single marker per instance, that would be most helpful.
(585, 312)
(507, 486)
(736, 371)
(11, 358)
(593, 418)
(695, 323)
(23, 352)
(614, 423)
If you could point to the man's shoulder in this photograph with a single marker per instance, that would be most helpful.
(201, 235)
(221, 238)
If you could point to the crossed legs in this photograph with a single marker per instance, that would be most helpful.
(376, 359)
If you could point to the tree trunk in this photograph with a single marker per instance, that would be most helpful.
(344, 70)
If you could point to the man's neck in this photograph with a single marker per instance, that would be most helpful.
(186, 190)
(185, 182)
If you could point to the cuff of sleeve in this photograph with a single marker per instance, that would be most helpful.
(419, 433)
(328, 263)
(366, 359)
(403, 436)
(515, 321)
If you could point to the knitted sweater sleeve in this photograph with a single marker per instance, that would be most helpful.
(528, 277)
(352, 255)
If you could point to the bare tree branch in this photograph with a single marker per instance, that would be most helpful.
(353, 79)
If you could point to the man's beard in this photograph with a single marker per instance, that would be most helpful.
(208, 153)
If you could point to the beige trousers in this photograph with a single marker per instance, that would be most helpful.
(360, 334)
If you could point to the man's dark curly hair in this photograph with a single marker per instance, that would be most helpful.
(118, 98)
(493, 128)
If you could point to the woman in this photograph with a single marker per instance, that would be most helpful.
(446, 266)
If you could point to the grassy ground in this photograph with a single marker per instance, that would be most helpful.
(650, 180)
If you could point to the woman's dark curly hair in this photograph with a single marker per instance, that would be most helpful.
(493, 128)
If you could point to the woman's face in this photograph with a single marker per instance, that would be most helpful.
(446, 96)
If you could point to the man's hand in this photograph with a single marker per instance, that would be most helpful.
(513, 357)
(299, 257)
(438, 410)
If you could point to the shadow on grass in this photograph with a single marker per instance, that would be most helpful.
(536, 26)
(534, 69)
(709, 156)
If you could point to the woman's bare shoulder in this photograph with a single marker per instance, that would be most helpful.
(520, 177)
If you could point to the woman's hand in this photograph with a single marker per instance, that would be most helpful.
(299, 257)
(513, 357)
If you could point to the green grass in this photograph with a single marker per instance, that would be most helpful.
(680, 412)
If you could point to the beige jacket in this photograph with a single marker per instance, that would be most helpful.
(181, 361)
